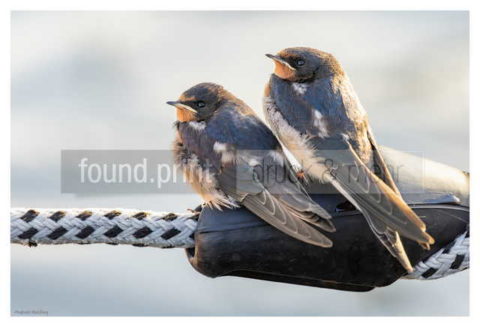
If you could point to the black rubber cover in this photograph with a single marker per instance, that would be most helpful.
(237, 243)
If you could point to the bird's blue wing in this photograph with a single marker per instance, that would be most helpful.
(278, 199)
(244, 131)
(380, 204)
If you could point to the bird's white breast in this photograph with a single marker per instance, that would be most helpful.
(296, 143)
(203, 180)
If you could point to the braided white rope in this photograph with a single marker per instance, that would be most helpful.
(167, 230)
(452, 259)
(86, 226)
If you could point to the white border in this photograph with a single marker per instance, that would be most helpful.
(229, 5)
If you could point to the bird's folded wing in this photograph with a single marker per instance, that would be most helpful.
(288, 189)
(366, 191)
(389, 238)
(241, 183)
(385, 174)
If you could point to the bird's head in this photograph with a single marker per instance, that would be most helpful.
(302, 64)
(199, 102)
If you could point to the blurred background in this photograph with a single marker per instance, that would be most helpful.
(99, 80)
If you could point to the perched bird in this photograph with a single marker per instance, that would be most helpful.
(231, 158)
(313, 109)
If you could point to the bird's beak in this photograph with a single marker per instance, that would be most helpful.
(179, 105)
(280, 60)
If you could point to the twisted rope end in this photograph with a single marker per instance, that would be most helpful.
(453, 258)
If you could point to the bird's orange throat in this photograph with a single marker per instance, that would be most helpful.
(283, 71)
(184, 115)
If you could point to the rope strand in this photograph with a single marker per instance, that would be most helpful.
(112, 226)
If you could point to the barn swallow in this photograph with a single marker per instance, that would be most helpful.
(232, 159)
(313, 109)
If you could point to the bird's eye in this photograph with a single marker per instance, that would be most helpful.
(299, 62)
(200, 104)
